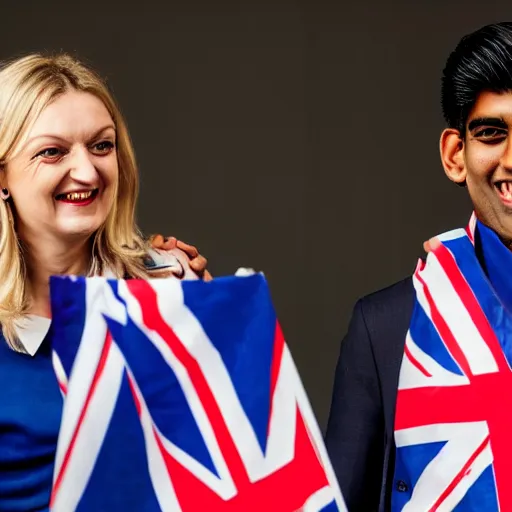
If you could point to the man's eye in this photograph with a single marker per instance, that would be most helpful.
(490, 133)
(49, 153)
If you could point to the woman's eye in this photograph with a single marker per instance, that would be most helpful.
(104, 147)
(49, 153)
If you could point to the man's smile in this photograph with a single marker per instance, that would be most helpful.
(504, 189)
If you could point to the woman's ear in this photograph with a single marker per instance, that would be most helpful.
(451, 147)
(4, 191)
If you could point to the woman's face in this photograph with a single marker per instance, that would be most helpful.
(64, 178)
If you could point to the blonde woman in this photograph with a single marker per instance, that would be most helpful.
(68, 188)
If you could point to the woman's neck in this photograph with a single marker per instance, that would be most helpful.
(45, 260)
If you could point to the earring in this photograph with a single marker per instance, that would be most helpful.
(5, 194)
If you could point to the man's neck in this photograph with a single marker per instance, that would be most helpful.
(46, 258)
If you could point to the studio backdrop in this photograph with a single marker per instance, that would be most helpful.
(297, 138)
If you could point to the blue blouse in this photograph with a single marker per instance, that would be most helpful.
(30, 413)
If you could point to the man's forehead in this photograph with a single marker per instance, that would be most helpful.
(497, 105)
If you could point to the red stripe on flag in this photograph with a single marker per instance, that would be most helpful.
(470, 228)
(63, 387)
(415, 362)
(444, 331)
(135, 395)
(460, 475)
(92, 389)
(152, 318)
(276, 358)
(286, 489)
(470, 235)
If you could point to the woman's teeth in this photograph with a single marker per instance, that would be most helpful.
(76, 196)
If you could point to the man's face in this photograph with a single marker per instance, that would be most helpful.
(487, 161)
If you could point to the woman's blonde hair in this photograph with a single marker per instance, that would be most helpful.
(27, 86)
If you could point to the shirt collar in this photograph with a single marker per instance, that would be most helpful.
(31, 331)
(496, 260)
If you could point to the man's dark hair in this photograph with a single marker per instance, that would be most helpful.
(482, 61)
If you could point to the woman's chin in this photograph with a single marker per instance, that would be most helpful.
(74, 230)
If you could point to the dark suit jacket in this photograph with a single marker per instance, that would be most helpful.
(359, 435)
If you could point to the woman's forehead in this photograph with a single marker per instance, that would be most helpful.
(73, 114)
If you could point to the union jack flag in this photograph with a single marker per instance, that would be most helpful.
(453, 420)
(181, 396)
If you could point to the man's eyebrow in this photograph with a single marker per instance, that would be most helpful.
(495, 122)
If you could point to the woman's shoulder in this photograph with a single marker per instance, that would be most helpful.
(167, 263)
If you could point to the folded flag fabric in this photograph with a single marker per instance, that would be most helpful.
(181, 396)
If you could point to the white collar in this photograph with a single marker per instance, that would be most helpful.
(31, 331)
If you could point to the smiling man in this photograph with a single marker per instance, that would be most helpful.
(421, 412)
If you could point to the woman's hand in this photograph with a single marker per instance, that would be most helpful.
(197, 263)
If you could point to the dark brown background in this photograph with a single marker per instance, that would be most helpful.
(299, 138)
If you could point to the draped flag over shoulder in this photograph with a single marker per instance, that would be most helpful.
(181, 396)
(453, 419)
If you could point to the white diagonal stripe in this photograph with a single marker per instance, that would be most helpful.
(456, 316)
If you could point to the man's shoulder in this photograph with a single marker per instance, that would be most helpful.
(393, 300)
(387, 315)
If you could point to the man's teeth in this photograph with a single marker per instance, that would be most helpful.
(78, 196)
